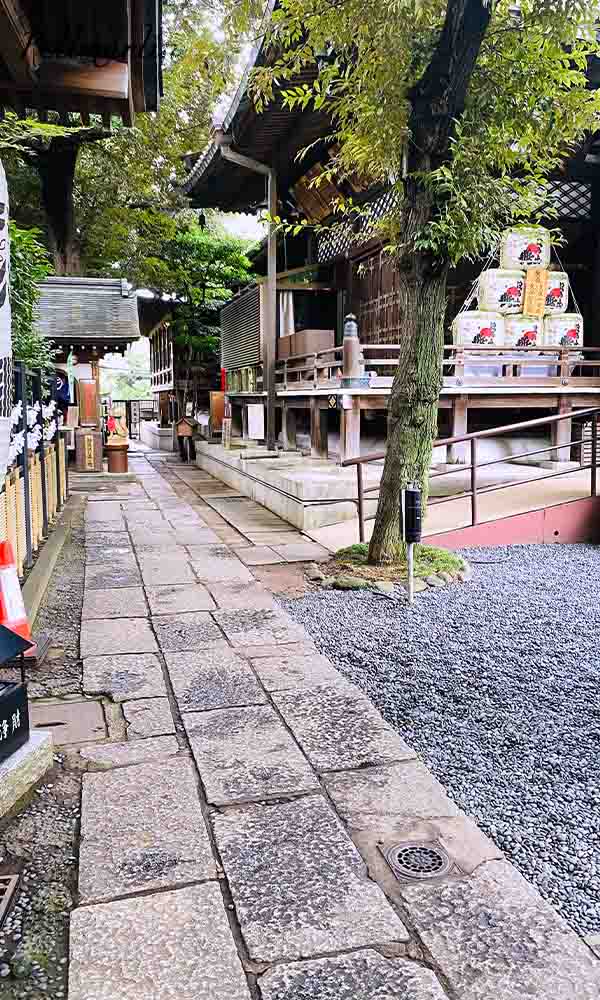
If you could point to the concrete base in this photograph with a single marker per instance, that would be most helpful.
(309, 493)
(560, 466)
(155, 437)
(21, 772)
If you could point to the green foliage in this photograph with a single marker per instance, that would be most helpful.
(30, 264)
(16, 132)
(527, 107)
(200, 269)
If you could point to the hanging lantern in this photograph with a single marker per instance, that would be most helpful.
(6, 382)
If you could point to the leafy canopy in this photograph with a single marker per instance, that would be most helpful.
(29, 264)
(528, 103)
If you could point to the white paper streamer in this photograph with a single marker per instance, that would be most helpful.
(5, 337)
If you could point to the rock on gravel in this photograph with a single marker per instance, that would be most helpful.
(497, 686)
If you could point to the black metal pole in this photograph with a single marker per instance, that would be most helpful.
(56, 449)
(64, 437)
(22, 395)
(37, 381)
(594, 468)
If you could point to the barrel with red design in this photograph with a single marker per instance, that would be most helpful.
(557, 293)
(484, 329)
(501, 291)
(525, 247)
(565, 330)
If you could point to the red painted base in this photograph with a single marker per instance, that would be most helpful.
(577, 521)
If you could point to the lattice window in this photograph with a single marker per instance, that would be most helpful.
(340, 238)
(573, 199)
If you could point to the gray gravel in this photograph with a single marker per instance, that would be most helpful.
(497, 684)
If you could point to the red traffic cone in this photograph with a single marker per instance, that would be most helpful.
(12, 608)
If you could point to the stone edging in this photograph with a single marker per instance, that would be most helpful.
(388, 587)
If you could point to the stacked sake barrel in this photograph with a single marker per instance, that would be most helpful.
(501, 320)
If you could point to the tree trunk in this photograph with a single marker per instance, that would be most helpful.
(413, 404)
(437, 101)
(56, 167)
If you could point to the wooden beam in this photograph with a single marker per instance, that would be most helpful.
(319, 430)
(17, 53)
(110, 80)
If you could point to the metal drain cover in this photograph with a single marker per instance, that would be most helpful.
(417, 860)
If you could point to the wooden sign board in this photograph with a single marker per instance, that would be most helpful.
(536, 288)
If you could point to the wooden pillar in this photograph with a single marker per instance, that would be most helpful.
(561, 433)
(244, 422)
(288, 423)
(350, 428)
(319, 430)
(457, 453)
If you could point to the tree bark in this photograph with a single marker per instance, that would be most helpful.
(437, 100)
(56, 168)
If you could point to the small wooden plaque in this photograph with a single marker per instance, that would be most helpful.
(536, 287)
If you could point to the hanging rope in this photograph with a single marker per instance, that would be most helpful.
(571, 292)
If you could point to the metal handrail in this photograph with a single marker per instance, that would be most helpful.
(475, 492)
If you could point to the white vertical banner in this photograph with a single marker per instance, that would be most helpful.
(6, 382)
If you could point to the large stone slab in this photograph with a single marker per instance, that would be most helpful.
(304, 648)
(146, 518)
(258, 555)
(118, 635)
(204, 679)
(492, 935)
(124, 677)
(365, 975)
(165, 570)
(324, 899)
(160, 539)
(106, 510)
(97, 538)
(301, 551)
(108, 755)
(171, 946)
(259, 627)
(338, 728)
(121, 602)
(69, 721)
(280, 673)
(148, 717)
(24, 768)
(242, 596)
(121, 571)
(107, 554)
(194, 630)
(217, 563)
(179, 598)
(246, 754)
(141, 828)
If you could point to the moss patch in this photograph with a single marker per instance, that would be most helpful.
(429, 560)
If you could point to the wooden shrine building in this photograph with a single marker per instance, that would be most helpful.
(281, 339)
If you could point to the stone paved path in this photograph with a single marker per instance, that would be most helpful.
(232, 847)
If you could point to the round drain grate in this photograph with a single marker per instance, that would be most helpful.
(418, 861)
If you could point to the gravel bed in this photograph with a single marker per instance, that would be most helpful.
(497, 684)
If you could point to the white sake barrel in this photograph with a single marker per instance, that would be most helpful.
(557, 293)
(565, 330)
(524, 247)
(479, 328)
(523, 331)
(501, 291)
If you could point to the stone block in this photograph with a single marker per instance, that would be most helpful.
(109, 755)
(102, 536)
(492, 935)
(24, 768)
(105, 510)
(259, 627)
(204, 679)
(117, 635)
(179, 598)
(302, 551)
(324, 898)
(304, 648)
(121, 572)
(124, 677)
(217, 563)
(194, 630)
(69, 721)
(122, 602)
(145, 518)
(148, 717)
(242, 596)
(108, 554)
(259, 555)
(164, 570)
(339, 729)
(246, 754)
(280, 673)
(171, 946)
(141, 828)
(366, 975)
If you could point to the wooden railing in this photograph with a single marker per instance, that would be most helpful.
(475, 491)
(477, 366)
